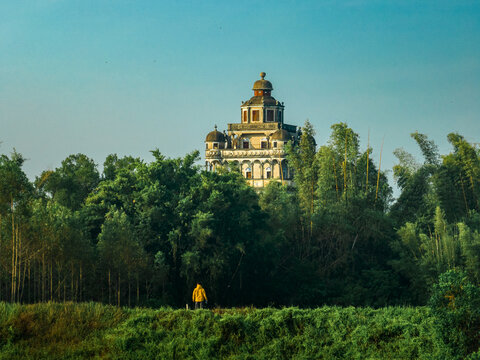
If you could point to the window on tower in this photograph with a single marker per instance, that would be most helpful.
(245, 116)
(255, 115)
(246, 144)
(269, 115)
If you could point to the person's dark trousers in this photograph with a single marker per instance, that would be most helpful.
(198, 305)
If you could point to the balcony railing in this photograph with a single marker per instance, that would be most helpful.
(242, 153)
(261, 126)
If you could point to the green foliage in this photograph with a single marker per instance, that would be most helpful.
(14, 185)
(55, 331)
(416, 203)
(455, 303)
(422, 257)
(71, 183)
(302, 159)
(343, 232)
(146, 232)
(59, 331)
(428, 147)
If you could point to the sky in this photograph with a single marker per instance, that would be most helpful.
(100, 77)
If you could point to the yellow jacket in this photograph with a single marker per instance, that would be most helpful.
(199, 294)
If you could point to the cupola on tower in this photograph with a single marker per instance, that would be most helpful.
(256, 144)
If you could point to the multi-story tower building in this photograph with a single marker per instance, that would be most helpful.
(256, 144)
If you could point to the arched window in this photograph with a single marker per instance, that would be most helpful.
(268, 172)
(285, 171)
(245, 144)
(248, 173)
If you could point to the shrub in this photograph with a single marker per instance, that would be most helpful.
(78, 331)
(455, 303)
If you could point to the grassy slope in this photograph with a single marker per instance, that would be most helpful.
(71, 331)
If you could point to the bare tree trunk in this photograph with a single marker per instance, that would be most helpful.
(345, 170)
(18, 272)
(81, 282)
(71, 282)
(129, 288)
(34, 277)
(335, 174)
(138, 292)
(76, 289)
(29, 282)
(44, 275)
(464, 196)
(59, 284)
(0, 249)
(109, 288)
(311, 216)
(378, 173)
(118, 290)
(23, 280)
(368, 158)
(51, 280)
(13, 286)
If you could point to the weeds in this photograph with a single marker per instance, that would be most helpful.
(90, 330)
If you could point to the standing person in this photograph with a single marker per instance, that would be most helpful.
(199, 297)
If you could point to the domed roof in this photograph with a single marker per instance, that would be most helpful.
(215, 136)
(282, 135)
(262, 84)
(262, 100)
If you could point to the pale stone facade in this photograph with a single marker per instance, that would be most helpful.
(256, 144)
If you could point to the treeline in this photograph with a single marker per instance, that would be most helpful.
(144, 233)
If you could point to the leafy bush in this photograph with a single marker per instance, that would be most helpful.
(455, 303)
(78, 331)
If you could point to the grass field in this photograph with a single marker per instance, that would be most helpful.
(91, 330)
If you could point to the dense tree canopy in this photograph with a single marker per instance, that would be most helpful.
(145, 233)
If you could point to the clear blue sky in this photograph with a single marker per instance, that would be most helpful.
(100, 77)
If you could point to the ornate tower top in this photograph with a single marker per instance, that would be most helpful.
(256, 145)
(262, 87)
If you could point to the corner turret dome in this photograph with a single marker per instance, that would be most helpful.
(215, 136)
